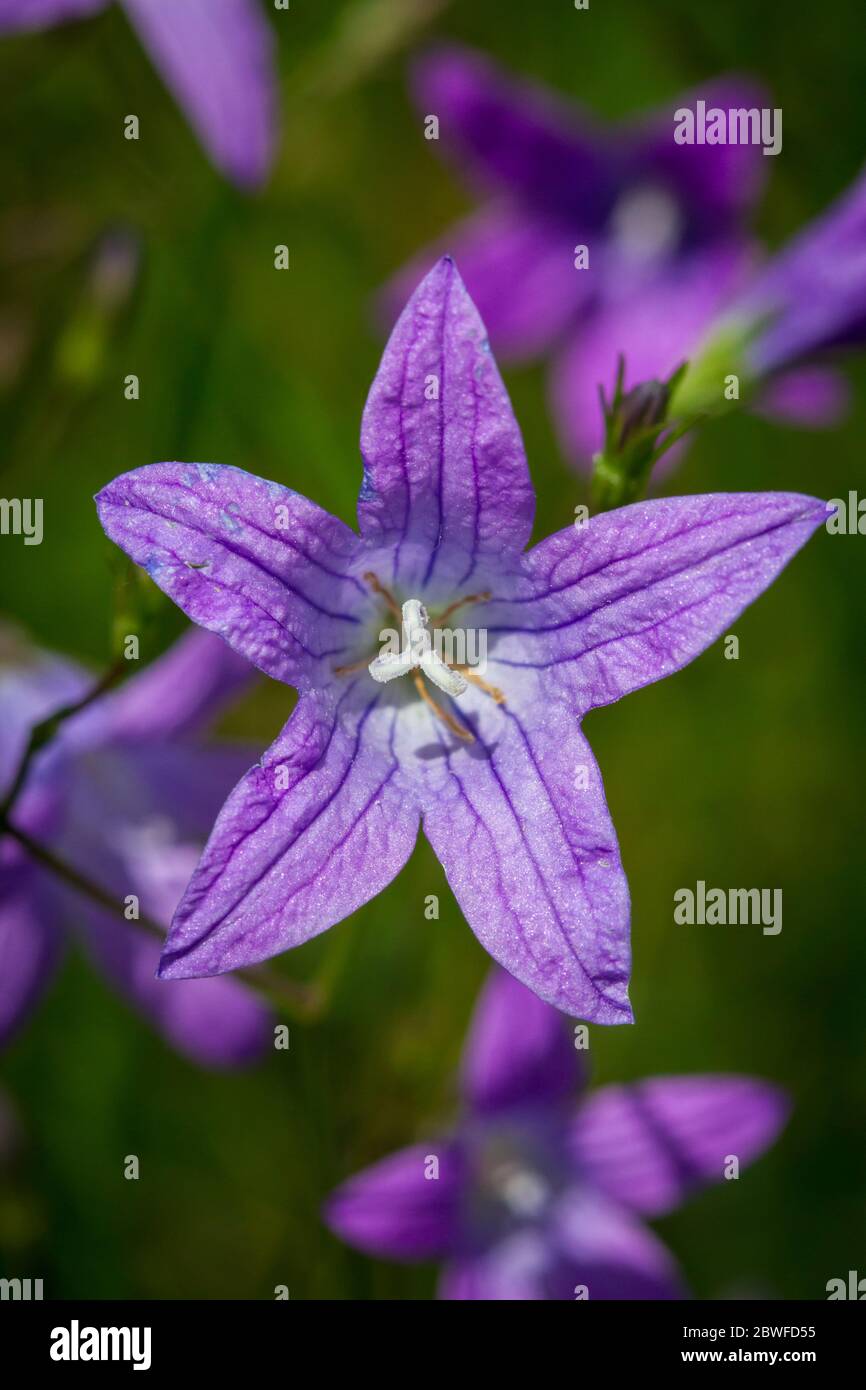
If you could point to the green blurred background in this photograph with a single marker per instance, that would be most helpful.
(738, 772)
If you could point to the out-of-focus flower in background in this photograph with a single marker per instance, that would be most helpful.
(496, 765)
(806, 304)
(528, 1198)
(125, 796)
(595, 243)
(216, 56)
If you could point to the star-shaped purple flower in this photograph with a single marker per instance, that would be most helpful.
(493, 762)
(216, 56)
(125, 797)
(663, 225)
(528, 1199)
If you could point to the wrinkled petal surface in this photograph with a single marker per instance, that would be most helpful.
(649, 1145)
(396, 1210)
(521, 826)
(245, 558)
(446, 482)
(308, 835)
(519, 1052)
(217, 57)
(639, 592)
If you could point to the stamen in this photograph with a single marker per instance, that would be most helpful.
(460, 603)
(355, 666)
(417, 654)
(492, 690)
(418, 657)
(447, 719)
(379, 588)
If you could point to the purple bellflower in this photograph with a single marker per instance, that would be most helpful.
(810, 299)
(528, 1198)
(662, 225)
(802, 310)
(124, 796)
(216, 56)
(495, 764)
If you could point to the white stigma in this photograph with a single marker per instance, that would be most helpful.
(417, 653)
(646, 224)
(523, 1191)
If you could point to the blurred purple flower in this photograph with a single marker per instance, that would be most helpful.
(527, 1199)
(663, 224)
(216, 56)
(511, 798)
(811, 297)
(126, 797)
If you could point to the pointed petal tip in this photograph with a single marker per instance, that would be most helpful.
(441, 271)
(612, 1013)
(170, 968)
(608, 1008)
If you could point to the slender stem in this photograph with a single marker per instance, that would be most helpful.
(301, 1002)
(41, 733)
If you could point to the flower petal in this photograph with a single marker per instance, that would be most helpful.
(33, 685)
(319, 827)
(137, 818)
(217, 56)
(589, 1249)
(650, 1144)
(179, 693)
(655, 324)
(217, 1023)
(445, 476)
(29, 943)
(806, 397)
(396, 1211)
(641, 591)
(519, 1051)
(39, 14)
(519, 137)
(141, 805)
(522, 829)
(614, 1255)
(715, 185)
(519, 271)
(512, 1272)
(813, 293)
(246, 558)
